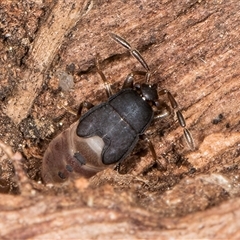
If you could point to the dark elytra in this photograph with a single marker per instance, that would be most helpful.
(119, 122)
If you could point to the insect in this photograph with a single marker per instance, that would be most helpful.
(107, 133)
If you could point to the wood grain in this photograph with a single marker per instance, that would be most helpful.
(192, 48)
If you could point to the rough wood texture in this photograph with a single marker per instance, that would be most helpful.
(192, 48)
(63, 16)
(59, 217)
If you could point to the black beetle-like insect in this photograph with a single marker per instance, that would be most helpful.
(107, 133)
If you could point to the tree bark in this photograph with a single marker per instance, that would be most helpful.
(192, 49)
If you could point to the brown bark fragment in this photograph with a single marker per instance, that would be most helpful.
(64, 15)
(31, 221)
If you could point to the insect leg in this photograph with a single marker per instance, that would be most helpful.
(163, 110)
(84, 104)
(100, 72)
(146, 163)
(129, 81)
(150, 145)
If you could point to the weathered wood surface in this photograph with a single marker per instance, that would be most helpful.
(54, 218)
(192, 48)
(63, 16)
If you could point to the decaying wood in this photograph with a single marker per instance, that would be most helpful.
(55, 217)
(64, 15)
(192, 48)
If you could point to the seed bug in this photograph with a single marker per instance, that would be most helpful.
(107, 133)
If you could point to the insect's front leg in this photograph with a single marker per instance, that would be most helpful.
(105, 81)
(129, 81)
